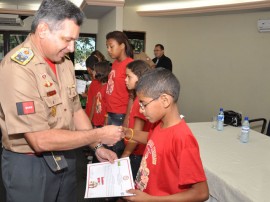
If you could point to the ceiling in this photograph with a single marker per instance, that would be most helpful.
(95, 9)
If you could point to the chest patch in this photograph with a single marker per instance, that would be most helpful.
(24, 108)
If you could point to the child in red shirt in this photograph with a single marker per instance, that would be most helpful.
(171, 167)
(99, 111)
(137, 120)
(90, 63)
(117, 95)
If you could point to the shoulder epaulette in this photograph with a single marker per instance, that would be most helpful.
(23, 56)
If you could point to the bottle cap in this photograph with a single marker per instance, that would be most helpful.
(246, 118)
(221, 109)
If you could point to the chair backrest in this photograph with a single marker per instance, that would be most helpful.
(268, 129)
(264, 122)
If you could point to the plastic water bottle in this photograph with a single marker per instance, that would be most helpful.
(245, 131)
(220, 120)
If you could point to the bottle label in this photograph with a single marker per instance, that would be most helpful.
(244, 134)
(221, 118)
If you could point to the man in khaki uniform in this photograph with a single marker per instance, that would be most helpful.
(143, 56)
(40, 113)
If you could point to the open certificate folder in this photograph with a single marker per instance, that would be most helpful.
(109, 180)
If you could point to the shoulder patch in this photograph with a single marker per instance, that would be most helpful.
(23, 56)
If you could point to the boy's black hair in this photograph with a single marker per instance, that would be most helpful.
(157, 82)
(102, 71)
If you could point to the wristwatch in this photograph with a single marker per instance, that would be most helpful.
(99, 145)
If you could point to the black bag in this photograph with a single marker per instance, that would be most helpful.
(232, 118)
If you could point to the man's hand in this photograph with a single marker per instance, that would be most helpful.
(111, 134)
(138, 196)
(104, 154)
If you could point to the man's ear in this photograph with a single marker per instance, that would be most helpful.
(42, 29)
(166, 100)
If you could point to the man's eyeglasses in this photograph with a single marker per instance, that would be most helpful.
(143, 106)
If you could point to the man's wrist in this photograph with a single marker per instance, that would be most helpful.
(99, 145)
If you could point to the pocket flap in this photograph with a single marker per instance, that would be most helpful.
(52, 100)
(72, 92)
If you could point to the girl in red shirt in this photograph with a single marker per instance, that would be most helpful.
(137, 120)
(117, 95)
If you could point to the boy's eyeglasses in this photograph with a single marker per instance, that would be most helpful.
(143, 106)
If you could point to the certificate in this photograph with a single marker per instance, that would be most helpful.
(109, 180)
(81, 86)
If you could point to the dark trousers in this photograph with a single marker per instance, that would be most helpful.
(28, 178)
(117, 120)
(135, 162)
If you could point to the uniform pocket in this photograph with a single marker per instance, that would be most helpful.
(72, 92)
(52, 100)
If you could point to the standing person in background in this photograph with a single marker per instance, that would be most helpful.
(137, 120)
(94, 85)
(160, 59)
(137, 55)
(117, 95)
(40, 111)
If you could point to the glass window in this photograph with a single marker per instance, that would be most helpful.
(16, 39)
(84, 46)
(1, 46)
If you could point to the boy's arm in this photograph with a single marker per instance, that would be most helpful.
(138, 135)
(197, 193)
(138, 125)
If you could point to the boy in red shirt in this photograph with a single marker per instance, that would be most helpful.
(171, 168)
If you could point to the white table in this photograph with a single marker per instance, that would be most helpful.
(235, 171)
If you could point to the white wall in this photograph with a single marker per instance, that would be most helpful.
(221, 60)
(110, 22)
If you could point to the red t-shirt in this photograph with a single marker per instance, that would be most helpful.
(100, 107)
(92, 91)
(117, 94)
(171, 162)
(135, 113)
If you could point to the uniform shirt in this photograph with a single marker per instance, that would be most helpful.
(135, 113)
(33, 99)
(143, 56)
(117, 94)
(100, 106)
(92, 91)
(171, 161)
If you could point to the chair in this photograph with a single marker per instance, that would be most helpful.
(268, 129)
(264, 122)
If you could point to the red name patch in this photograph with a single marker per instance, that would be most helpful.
(24, 108)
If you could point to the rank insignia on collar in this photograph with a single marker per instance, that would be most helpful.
(23, 56)
(48, 84)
